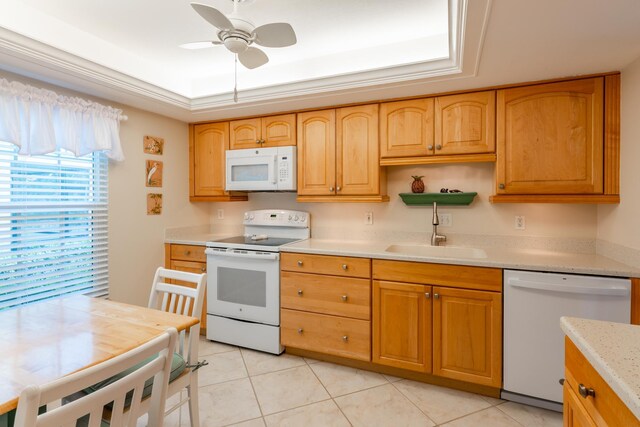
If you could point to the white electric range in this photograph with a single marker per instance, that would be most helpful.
(243, 289)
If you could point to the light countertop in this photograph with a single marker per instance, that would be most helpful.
(195, 238)
(510, 258)
(613, 349)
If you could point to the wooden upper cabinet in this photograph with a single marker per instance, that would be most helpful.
(467, 335)
(207, 145)
(317, 153)
(402, 325)
(406, 128)
(550, 138)
(357, 155)
(465, 123)
(259, 132)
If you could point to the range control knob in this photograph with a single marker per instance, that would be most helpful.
(296, 218)
(251, 217)
(290, 217)
(246, 215)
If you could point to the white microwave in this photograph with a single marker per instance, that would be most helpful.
(261, 169)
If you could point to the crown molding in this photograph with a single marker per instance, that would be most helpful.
(32, 58)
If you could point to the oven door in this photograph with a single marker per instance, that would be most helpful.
(253, 172)
(244, 285)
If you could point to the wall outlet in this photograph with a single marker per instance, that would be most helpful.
(519, 224)
(445, 219)
(368, 218)
(220, 213)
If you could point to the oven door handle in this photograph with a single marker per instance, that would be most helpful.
(233, 253)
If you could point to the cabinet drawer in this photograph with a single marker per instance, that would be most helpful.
(325, 264)
(326, 334)
(347, 297)
(188, 253)
(605, 407)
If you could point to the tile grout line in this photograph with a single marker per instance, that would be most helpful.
(410, 401)
(330, 396)
(244, 362)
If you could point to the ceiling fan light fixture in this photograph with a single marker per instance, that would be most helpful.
(236, 44)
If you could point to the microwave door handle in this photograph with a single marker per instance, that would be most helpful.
(230, 253)
(274, 170)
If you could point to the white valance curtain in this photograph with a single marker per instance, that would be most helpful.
(40, 121)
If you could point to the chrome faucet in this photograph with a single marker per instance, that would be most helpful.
(435, 237)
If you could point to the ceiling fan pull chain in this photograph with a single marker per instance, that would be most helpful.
(235, 81)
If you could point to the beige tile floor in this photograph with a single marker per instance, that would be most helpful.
(247, 388)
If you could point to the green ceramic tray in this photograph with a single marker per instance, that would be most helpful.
(424, 199)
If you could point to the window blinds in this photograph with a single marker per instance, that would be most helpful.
(53, 226)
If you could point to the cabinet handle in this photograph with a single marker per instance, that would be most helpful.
(300, 331)
(345, 267)
(338, 188)
(501, 186)
(438, 147)
(299, 263)
(330, 189)
(299, 292)
(586, 392)
(430, 147)
(345, 338)
(436, 295)
(345, 298)
(427, 295)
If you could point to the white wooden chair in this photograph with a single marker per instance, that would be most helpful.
(61, 412)
(186, 300)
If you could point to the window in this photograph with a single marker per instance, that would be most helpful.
(53, 225)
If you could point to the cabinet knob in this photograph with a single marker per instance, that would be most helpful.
(299, 292)
(427, 295)
(436, 295)
(345, 267)
(501, 186)
(299, 263)
(430, 147)
(438, 147)
(586, 392)
(300, 331)
(203, 269)
(338, 188)
(345, 338)
(330, 189)
(345, 298)
(187, 252)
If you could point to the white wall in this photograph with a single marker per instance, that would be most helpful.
(481, 217)
(621, 224)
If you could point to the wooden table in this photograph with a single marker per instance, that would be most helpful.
(47, 340)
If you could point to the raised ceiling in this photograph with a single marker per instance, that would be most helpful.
(353, 50)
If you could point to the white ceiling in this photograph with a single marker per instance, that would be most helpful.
(348, 50)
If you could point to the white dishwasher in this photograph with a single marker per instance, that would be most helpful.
(533, 341)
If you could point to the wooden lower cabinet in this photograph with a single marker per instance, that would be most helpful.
(602, 407)
(335, 335)
(402, 325)
(189, 258)
(467, 335)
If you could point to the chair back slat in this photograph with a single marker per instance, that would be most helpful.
(94, 405)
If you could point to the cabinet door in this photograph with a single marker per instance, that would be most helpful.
(245, 134)
(209, 144)
(550, 138)
(402, 325)
(198, 268)
(278, 131)
(317, 153)
(406, 128)
(574, 414)
(467, 335)
(465, 124)
(357, 151)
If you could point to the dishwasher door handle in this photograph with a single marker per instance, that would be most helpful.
(611, 290)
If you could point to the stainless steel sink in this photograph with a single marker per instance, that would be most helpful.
(437, 251)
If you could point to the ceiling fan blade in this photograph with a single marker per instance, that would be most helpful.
(253, 58)
(213, 16)
(200, 45)
(279, 34)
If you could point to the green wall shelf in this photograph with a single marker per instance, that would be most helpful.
(424, 199)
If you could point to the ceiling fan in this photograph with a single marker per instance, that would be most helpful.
(237, 34)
